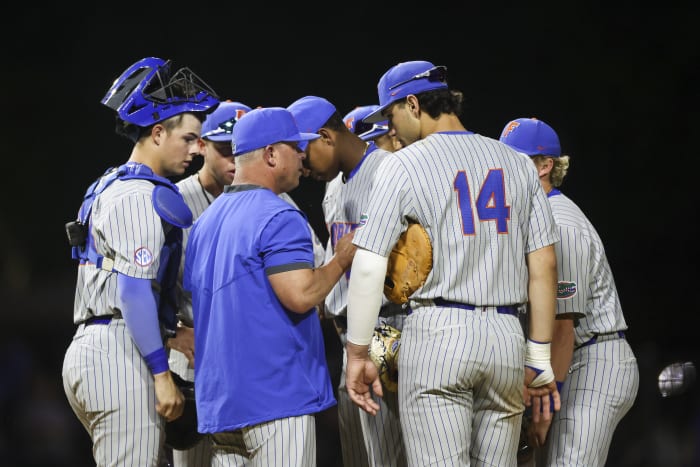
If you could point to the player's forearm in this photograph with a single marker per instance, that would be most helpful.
(562, 347)
(365, 292)
(138, 307)
(542, 288)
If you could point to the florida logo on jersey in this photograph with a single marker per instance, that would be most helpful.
(566, 289)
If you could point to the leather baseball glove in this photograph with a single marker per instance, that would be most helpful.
(384, 352)
(410, 262)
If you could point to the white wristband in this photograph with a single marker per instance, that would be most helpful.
(538, 357)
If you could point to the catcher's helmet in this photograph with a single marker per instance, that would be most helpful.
(181, 434)
(146, 93)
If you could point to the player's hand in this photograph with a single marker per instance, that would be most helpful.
(183, 342)
(170, 403)
(540, 397)
(362, 378)
(537, 431)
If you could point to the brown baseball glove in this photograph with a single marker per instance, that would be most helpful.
(410, 262)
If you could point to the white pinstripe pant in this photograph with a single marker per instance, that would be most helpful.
(111, 391)
(599, 390)
(285, 442)
(460, 386)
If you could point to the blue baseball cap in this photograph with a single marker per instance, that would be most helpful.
(532, 137)
(311, 113)
(266, 125)
(219, 124)
(404, 79)
(366, 131)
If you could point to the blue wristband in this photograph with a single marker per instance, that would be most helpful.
(157, 361)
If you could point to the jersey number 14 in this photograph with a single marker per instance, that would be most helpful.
(490, 204)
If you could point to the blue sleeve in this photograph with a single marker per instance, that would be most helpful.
(286, 242)
(138, 306)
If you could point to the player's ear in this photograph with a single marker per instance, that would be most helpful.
(545, 165)
(412, 104)
(157, 133)
(328, 137)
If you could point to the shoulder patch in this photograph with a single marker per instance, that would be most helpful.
(363, 220)
(143, 257)
(566, 289)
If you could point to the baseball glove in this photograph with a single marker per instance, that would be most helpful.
(384, 352)
(410, 262)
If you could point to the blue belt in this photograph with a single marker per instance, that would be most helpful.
(505, 310)
(98, 320)
(601, 337)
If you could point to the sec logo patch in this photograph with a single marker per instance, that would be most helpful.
(143, 257)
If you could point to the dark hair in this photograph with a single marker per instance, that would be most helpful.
(335, 122)
(135, 132)
(441, 101)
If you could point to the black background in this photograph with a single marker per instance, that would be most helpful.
(620, 86)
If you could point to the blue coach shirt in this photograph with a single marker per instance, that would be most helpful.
(255, 360)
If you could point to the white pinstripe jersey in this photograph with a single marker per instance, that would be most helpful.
(585, 280)
(343, 205)
(198, 199)
(482, 205)
(319, 251)
(125, 227)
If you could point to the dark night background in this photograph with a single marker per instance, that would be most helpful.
(620, 86)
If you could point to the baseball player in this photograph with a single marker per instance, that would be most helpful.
(594, 364)
(460, 366)
(348, 163)
(260, 372)
(128, 241)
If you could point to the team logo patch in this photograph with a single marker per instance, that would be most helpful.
(143, 257)
(363, 220)
(566, 289)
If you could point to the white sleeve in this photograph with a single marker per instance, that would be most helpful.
(365, 293)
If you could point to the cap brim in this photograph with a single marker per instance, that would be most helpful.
(220, 137)
(376, 116)
(304, 139)
(371, 134)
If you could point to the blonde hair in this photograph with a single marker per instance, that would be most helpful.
(559, 169)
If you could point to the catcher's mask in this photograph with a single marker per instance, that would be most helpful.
(146, 93)
(181, 433)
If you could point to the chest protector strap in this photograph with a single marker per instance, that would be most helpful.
(175, 214)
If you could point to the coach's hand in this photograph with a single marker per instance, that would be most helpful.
(362, 378)
(169, 399)
(183, 342)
